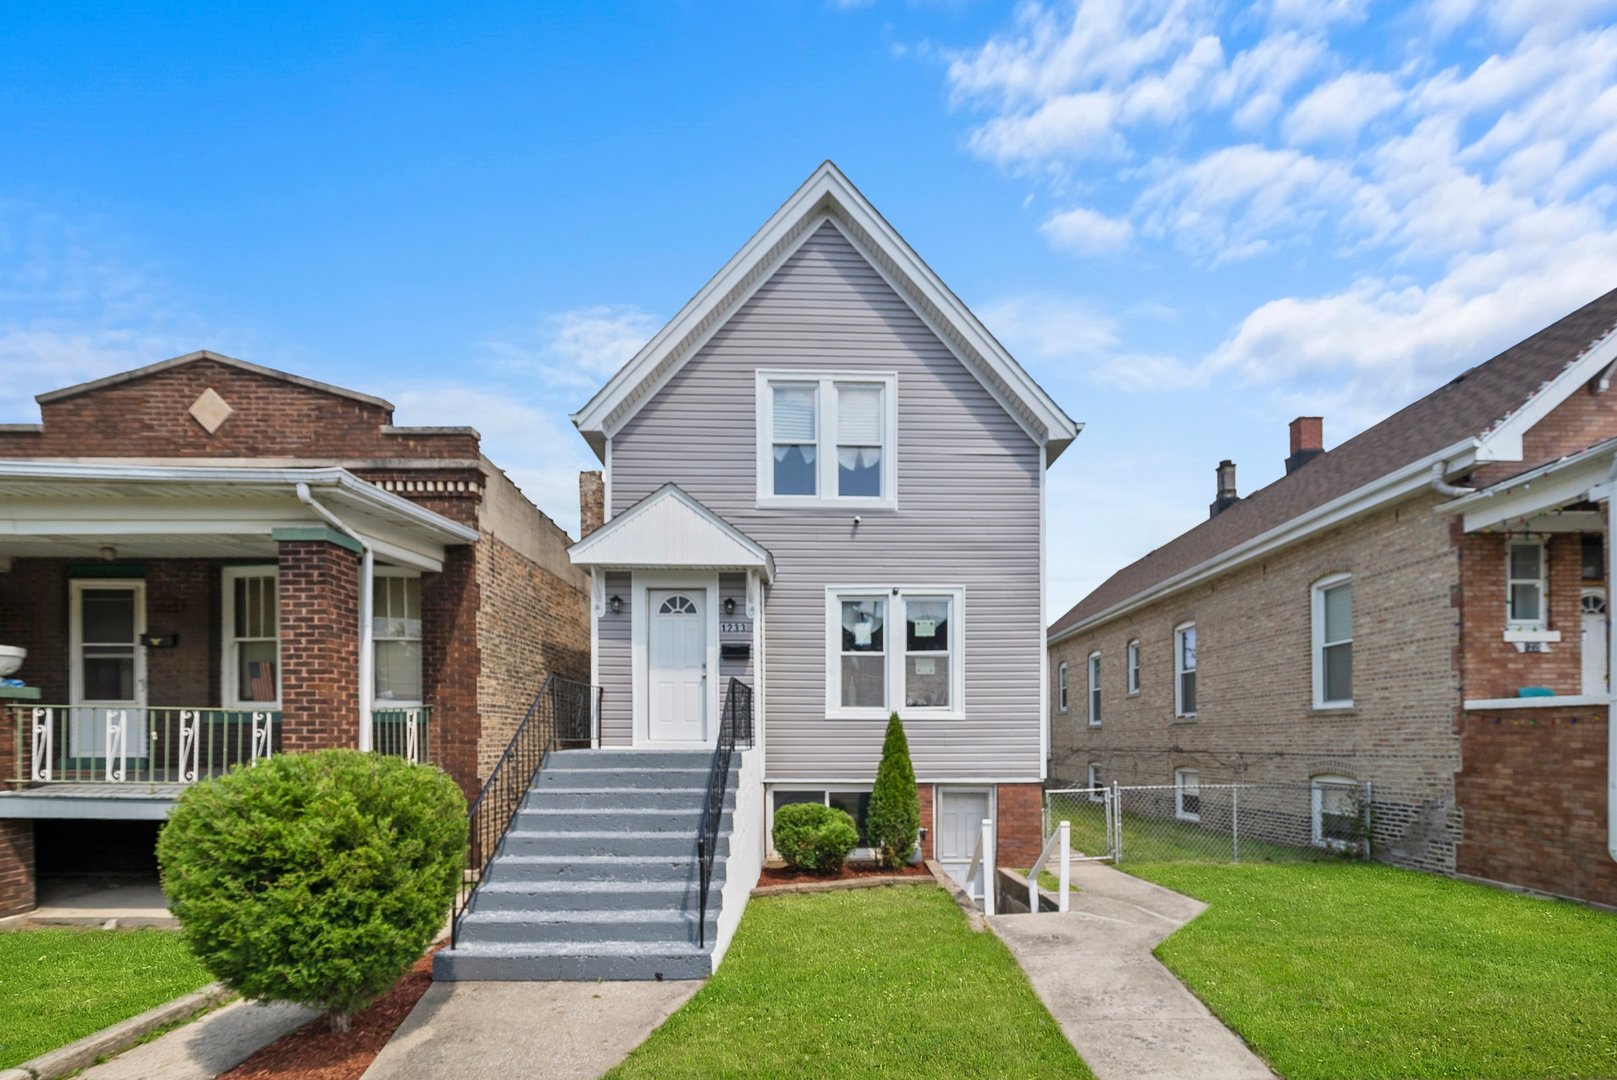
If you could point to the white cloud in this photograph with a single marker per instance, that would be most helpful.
(1048, 326)
(1083, 231)
(1342, 107)
(578, 349)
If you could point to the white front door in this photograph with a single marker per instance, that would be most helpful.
(960, 823)
(1594, 642)
(676, 672)
(107, 672)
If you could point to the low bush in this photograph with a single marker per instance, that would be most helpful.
(894, 820)
(812, 836)
(315, 878)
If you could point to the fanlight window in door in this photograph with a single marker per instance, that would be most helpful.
(677, 605)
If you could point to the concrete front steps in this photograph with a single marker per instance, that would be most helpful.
(597, 877)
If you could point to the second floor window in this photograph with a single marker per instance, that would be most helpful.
(1061, 686)
(1094, 688)
(826, 440)
(1333, 643)
(1184, 670)
(1134, 667)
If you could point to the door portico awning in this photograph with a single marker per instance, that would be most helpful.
(74, 510)
(670, 530)
(1555, 497)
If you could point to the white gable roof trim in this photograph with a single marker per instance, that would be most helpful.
(669, 529)
(827, 195)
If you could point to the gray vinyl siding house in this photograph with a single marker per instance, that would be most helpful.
(922, 592)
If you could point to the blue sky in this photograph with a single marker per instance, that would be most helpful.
(1191, 221)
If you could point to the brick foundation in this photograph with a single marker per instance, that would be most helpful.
(1533, 792)
(16, 867)
(1020, 824)
(319, 646)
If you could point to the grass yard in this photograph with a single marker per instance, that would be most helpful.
(1158, 839)
(60, 985)
(1341, 970)
(882, 982)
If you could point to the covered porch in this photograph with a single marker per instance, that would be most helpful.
(181, 621)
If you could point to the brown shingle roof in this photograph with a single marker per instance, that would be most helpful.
(1469, 405)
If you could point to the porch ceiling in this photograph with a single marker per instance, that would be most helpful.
(72, 510)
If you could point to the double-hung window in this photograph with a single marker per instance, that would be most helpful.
(1094, 689)
(1097, 781)
(1184, 670)
(1333, 642)
(827, 440)
(396, 632)
(894, 650)
(251, 639)
(1061, 687)
(1525, 585)
(1187, 794)
(1134, 667)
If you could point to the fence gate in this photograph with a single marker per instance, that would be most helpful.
(1092, 815)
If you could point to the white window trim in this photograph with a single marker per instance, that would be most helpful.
(826, 790)
(1090, 780)
(1317, 807)
(1179, 776)
(1092, 696)
(1132, 662)
(389, 704)
(1543, 582)
(227, 636)
(1317, 605)
(1179, 670)
(1061, 687)
(826, 443)
(894, 653)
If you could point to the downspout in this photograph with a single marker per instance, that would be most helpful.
(1444, 488)
(367, 596)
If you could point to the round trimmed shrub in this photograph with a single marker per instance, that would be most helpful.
(893, 821)
(314, 878)
(812, 836)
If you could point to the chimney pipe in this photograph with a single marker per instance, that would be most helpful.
(1307, 441)
(1226, 489)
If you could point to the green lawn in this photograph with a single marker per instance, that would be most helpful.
(885, 982)
(1343, 970)
(1154, 839)
(61, 985)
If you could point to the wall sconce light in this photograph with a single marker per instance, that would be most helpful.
(729, 605)
(108, 553)
(616, 604)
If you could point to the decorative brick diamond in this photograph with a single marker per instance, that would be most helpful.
(210, 410)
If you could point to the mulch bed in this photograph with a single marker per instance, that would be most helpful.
(315, 1052)
(786, 875)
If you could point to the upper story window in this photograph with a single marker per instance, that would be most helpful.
(1061, 687)
(1333, 642)
(827, 440)
(1525, 584)
(1094, 688)
(1134, 667)
(1184, 670)
(894, 649)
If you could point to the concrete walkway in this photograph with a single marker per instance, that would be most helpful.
(557, 1030)
(1127, 1015)
(207, 1047)
(94, 903)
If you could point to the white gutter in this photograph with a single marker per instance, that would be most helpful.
(1444, 488)
(367, 599)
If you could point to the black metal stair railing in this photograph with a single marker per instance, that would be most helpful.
(560, 717)
(735, 728)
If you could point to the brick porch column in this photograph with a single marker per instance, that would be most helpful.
(319, 642)
(451, 664)
(1020, 824)
(16, 867)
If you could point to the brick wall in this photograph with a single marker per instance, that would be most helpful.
(1491, 666)
(149, 417)
(1255, 718)
(1580, 421)
(1534, 791)
(1019, 825)
(16, 867)
(531, 623)
(450, 663)
(319, 646)
(33, 614)
(591, 502)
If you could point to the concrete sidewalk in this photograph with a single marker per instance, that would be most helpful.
(558, 1030)
(206, 1047)
(1127, 1015)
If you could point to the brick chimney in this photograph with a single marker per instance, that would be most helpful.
(591, 502)
(1226, 489)
(1307, 441)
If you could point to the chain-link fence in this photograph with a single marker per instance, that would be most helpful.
(1194, 822)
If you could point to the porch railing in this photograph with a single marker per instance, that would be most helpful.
(96, 744)
(735, 729)
(402, 732)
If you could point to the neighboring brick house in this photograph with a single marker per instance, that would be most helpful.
(181, 554)
(1393, 611)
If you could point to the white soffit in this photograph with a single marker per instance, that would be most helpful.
(827, 195)
(670, 529)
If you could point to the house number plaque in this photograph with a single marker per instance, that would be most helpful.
(744, 627)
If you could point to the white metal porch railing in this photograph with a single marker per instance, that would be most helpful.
(1058, 847)
(982, 859)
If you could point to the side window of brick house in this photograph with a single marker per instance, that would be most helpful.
(1525, 584)
(1184, 670)
(396, 624)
